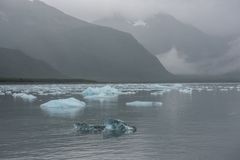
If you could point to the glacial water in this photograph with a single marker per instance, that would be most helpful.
(194, 122)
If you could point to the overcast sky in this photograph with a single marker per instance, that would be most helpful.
(213, 16)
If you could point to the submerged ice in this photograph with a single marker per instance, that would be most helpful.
(144, 104)
(63, 107)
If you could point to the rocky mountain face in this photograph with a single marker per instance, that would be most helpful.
(15, 64)
(161, 34)
(76, 48)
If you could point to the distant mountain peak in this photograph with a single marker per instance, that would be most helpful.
(76, 48)
(160, 32)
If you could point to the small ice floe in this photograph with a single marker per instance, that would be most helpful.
(186, 90)
(144, 104)
(161, 92)
(199, 89)
(63, 107)
(2, 94)
(116, 128)
(224, 89)
(100, 92)
(25, 97)
(166, 88)
(208, 89)
(128, 93)
(110, 128)
(8, 92)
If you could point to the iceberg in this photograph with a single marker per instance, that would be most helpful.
(166, 88)
(8, 93)
(143, 104)
(199, 89)
(186, 91)
(110, 128)
(2, 94)
(116, 128)
(224, 89)
(161, 92)
(25, 97)
(63, 107)
(209, 89)
(100, 92)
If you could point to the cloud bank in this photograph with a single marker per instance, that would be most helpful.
(215, 16)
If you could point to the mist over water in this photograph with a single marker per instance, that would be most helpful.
(196, 121)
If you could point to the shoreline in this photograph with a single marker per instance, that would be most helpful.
(83, 81)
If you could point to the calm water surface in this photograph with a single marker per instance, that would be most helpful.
(202, 125)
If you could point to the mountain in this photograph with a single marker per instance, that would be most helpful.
(15, 64)
(162, 33)
(76, 48)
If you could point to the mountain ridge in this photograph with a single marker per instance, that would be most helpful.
(15, 64)
(77, 48)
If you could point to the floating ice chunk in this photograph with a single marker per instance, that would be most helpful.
(224, 89)
(127, 93)
(144, 104)
(116, 128)
(177, 85)
(100, 92)
(63, 107)
(2, 94)
(161, 92)
(231, 87)
(186, 90)
(25, 97)
(199, 89)
(8, 93)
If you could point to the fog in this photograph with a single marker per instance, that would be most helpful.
(216, 16)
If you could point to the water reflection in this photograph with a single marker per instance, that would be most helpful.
(200, 125)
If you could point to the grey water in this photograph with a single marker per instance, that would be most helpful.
(203, 124)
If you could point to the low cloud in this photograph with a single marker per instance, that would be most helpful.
(177, 63)
(216, 16)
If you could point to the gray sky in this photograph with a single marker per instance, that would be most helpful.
(213, 16)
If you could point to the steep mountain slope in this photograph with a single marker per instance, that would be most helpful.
(76, 48)
(162, 33)
(15, 64)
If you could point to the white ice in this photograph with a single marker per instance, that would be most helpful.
(161, 92)
(100, 92)
(186, 90)
(25, 97)
(143, 104)
(224, 89)
(63, 107)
